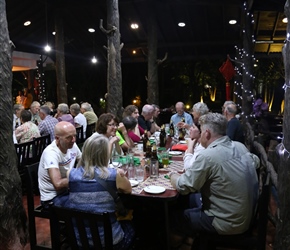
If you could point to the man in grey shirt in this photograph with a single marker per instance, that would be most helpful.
(225, 175)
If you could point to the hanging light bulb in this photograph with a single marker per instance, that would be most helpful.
(94, 60)
(47, 48)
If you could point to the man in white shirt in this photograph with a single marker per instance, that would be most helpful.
(56, 160)
(79, 118)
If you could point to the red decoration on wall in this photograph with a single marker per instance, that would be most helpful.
(228, 72)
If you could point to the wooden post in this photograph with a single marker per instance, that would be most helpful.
(114, 75)
(152, 79)
(13, 230)
(60, 59)
(282, 240)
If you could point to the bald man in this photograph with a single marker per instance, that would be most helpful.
(181, 115)
(56, 160)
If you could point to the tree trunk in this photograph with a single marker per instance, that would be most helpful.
(248, 65)
(152, 79)
(282, 240)
(114, 75)
(60, 59)
(13, 229)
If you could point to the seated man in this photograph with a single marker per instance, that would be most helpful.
(63, 114)
(181, 116)
(225, 174)
(234, 128)
(46, 126)
(89, 113)
(144, 120)
(55, 161)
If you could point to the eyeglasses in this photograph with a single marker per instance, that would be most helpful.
(113, 125)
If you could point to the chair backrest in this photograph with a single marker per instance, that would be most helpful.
(40, 144)
(80, 134)
(24, 153)
(79, 221)
(90, 129)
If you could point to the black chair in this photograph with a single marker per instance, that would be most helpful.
(91, 128)
(79, 220)
(40, 143)
(80, 135)
(37, 211)
(254, 238)
(25, 156)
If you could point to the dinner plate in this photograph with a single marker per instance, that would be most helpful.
(154, 189)
(175, 152)
(133, 183)
(182, 142)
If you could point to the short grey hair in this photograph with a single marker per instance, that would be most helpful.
(63, 108)
(75, 107)
(215, 122)
(45, 110)
(17, 107)
(231, 108)
(201, 108)
(35, 103)
(228, 103)
(86, 106)
(147, 109)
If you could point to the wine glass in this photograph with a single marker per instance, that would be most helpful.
(116, 161)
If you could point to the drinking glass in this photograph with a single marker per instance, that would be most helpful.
(154, 169)
(131, 172)
(139, 173)
(165, 159)
(125, 162)
(116, 161)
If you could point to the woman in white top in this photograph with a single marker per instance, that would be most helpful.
(194, 147)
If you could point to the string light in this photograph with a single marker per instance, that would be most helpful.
(40, 77)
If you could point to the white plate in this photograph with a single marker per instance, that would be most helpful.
(154, 189)
(151, 138)
(175, 152)
(182, 142)
(133, 183)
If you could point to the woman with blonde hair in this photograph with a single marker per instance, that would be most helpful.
(87, 193)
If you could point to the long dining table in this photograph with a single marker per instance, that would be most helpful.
(169, 195)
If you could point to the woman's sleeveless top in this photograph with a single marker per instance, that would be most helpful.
(88, 195)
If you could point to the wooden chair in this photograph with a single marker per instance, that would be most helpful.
(254, 238)
(90, 130)
(79, 220)
(40, 144)
(24, 152)
(80, 135)
(37, 211)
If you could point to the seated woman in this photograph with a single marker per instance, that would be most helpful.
(107, 125)
(86, 194)
(135, 135)
(194, 146)
(28, 130)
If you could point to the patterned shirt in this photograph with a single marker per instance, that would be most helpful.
(26, 132)
(47, 126)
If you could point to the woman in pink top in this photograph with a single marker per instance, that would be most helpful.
(135, 134)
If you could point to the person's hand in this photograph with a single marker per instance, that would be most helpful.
(114, 139)
(180, 124)
(121, 172)
(122, 128)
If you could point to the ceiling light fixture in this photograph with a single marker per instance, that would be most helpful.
(91, 30)
(181, 24)
(47, 48)
(134, 51)
(285, 20)
(134, 26)
(27, 23)
(53, 32)
(94, 59)
(233, 21)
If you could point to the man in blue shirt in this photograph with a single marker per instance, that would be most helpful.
(181, 115)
